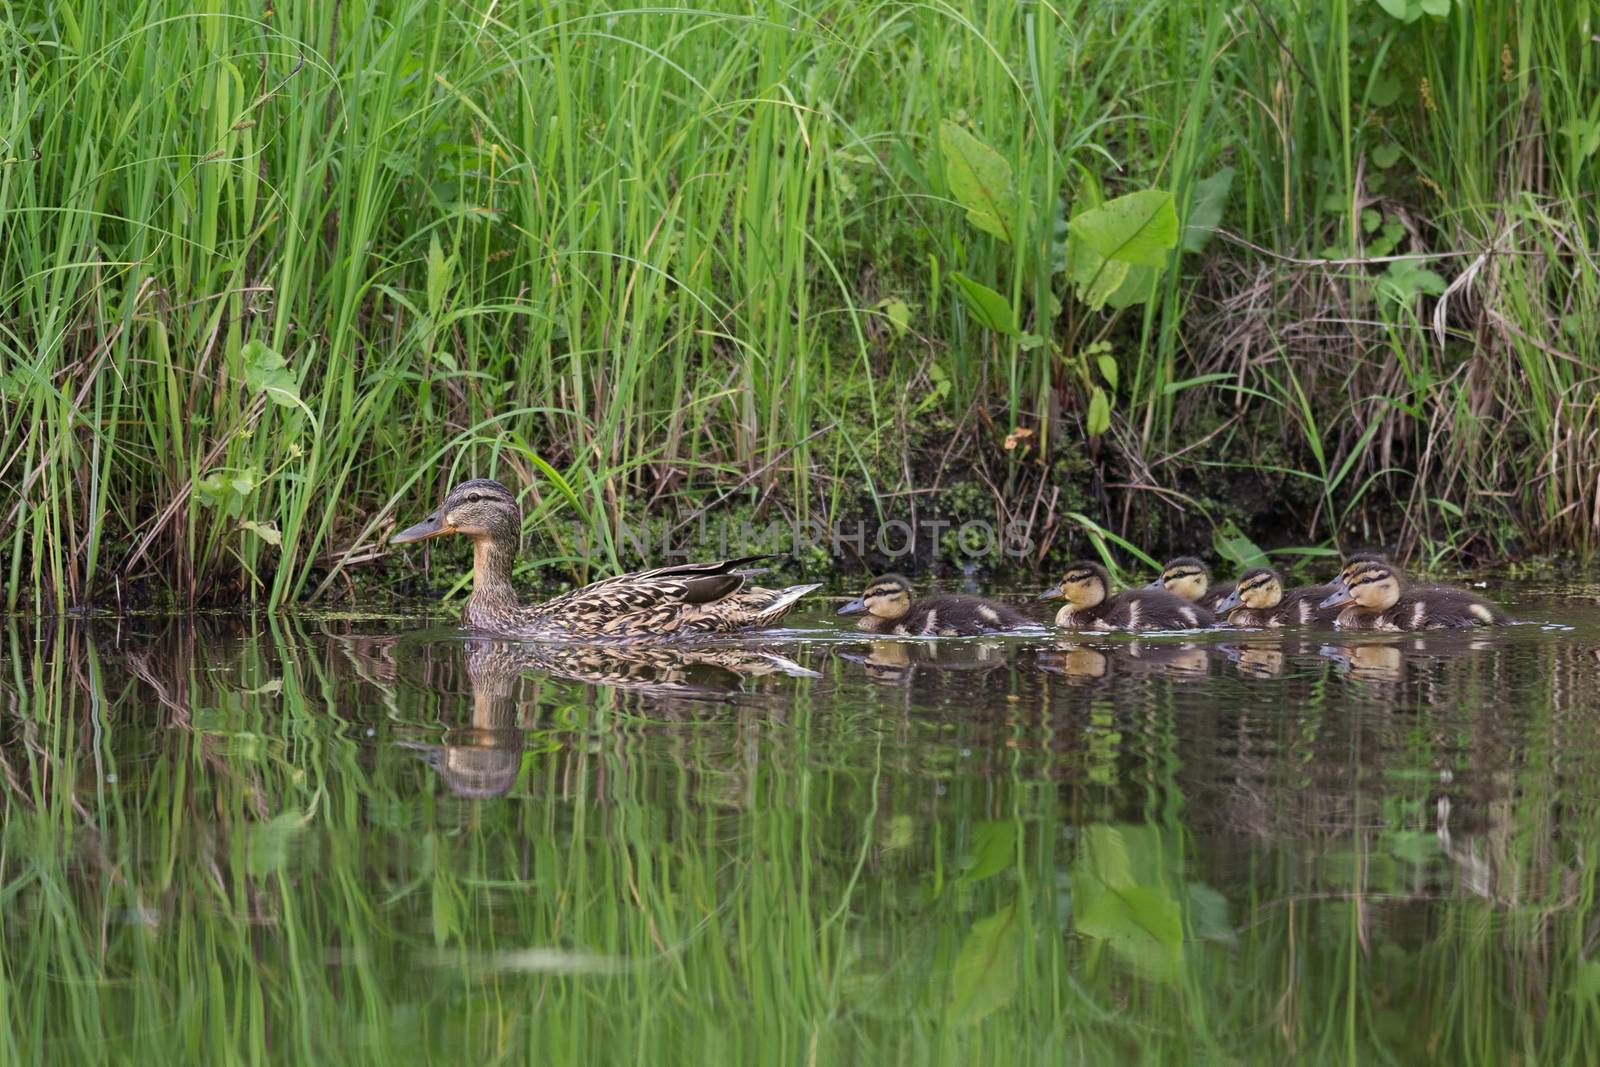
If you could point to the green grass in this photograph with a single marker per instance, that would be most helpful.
(267, 277)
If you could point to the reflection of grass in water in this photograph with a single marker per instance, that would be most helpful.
(740, 886)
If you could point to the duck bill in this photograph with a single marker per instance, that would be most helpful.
(1337, 599)
(855, 607)
(429, 527)
(1228, 603)
(1157, 584)
(1050, 594)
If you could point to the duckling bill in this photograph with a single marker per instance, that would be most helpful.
(690, 598)
(1090, 604)
(887, 607)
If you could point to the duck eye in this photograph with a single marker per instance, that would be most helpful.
(473, 498)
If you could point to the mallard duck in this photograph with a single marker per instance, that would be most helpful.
(1377, 597)
(690, 598)
(888, 608)
(1086, 587)
(1258, 600)
(1190, 578)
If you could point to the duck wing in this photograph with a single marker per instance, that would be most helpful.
(668, 601)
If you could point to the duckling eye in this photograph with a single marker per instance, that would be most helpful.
(473, 498)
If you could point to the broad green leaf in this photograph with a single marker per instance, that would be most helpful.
(1140, 227)
(1108, 369)
(1403, 280)
(439, 270)
(1137, 286)
(1099, 413)
(1386, 155)
(266, 372)
(1436, 8)
(898, 312)
(1210, 196)
(987, 306)
(979, 179)
(1232, 545)
(266, 531)
(994, 848)
(1094, 277)
(984, 977)
(1404, 10)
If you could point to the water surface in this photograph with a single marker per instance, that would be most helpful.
(371, 839)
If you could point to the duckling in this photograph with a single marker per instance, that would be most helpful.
(1189, 578)
(1355, 561)
(1259, 601)
(1378, 598)
(887, 608)
(1086, 587)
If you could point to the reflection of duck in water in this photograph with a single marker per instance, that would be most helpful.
(1185, 660)
(1076, 663)
(895, 662)
(482, 759)
(1263, 659)
(1082, 662)
(1370, 662)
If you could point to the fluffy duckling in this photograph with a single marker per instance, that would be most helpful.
(1086, 587)
(1258, 600)
(887, 608)
(1190, 578)
(1378, 598)
(1355, 561)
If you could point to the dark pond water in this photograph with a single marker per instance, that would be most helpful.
(366, 839)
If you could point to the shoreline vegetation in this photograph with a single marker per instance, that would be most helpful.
(1151, 276)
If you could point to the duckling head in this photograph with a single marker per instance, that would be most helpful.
(1373, 586)
(481, 509)
(1084, 585)
(1353, 563)
(1186, 576)
(887, 597)
(1260, 588)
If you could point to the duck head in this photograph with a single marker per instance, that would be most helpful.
(1186, 576)
(1260, 588)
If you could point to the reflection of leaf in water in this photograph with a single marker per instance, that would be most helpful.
(267, 849)
(985, 974)
(1142, 924)
(1119, 897)
(994, 846)
(1586, 986)
(1208, 913)
(1413, 846)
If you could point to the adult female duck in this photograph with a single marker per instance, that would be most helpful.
(691, 598)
